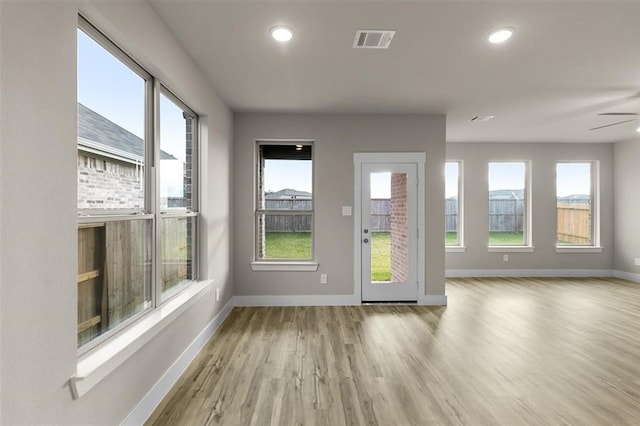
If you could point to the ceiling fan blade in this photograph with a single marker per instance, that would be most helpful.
(619, 113)
(614, 124)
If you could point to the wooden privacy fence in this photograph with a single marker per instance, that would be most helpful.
(114, 273)
(574, 223)
(287, 222)
(114, 269)
(380, 215)
(573, 218)
(451, 215)
(504, 215)
(176, 256)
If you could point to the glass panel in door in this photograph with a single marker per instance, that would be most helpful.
(387, 243)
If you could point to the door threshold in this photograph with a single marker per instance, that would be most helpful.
(386, 302)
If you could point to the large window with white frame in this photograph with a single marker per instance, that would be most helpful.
(453, 204)
(284, 201)
(137, 187)
(576, 204)
(509, 203)
(178, 192)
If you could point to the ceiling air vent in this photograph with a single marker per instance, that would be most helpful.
(482, 118)
(373, 39)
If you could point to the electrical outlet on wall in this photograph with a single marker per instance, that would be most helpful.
(323, 278)
(217, 294)
(637, 261)
(505, 257)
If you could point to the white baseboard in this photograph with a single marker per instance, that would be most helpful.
(153, 398)
(570, 273)
(350, 300)
(627, 276)
(433, 299)
(316, 300)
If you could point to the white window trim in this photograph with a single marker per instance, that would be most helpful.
(579, 249)
(103, 355)
(460, 247)
(455, 249)
(595, 213)
(527, 246)
(94, 366)
(418, 158)
(284, 266)
(511, 249)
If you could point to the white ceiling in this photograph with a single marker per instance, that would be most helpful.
(567, 62)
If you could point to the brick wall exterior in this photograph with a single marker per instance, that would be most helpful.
(188, 162)
(399, 251)
(261, 219)
(109, 184)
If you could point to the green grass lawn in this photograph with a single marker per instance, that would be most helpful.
(297, 245)
(495, 238)
(288, 245)
(506, 238)
(381, 256)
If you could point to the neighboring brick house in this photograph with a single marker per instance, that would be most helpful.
(288, 194)
(109, 157)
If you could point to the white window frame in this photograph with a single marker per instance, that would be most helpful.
(86, 216)
(300, 265)
(595, 246)
(105, 353)
(527, 244)
(460, 247)
(173, 213)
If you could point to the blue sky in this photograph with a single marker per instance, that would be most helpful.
(571, 178)
(109, 87)
(287, 174)
(506, 176)
(113, 90)
(451, 174)
(381, 185)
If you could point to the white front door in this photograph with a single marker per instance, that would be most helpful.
(389, 232)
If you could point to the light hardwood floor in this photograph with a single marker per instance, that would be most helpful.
(504, 352)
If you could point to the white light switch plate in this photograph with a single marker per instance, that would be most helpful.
(346, 211)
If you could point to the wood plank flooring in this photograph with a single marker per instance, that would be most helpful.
(504, 352)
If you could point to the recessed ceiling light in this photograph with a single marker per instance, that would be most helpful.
(282, 33)
(501, 35)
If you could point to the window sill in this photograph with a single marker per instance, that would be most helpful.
(455, 249)
(511, 249)
(99, 363)
(285, 266)
(579, 249)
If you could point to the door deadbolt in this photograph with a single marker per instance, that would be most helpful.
(366, 231)
(366, 240)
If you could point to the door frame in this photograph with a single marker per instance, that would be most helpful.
(360, 158)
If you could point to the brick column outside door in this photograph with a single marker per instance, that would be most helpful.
(399, 251)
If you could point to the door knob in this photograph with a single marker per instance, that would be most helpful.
(366, 240)
(366, 231)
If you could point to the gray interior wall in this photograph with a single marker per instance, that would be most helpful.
(337, 138)
(38, 263)
(627, 207)
(544, 157)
